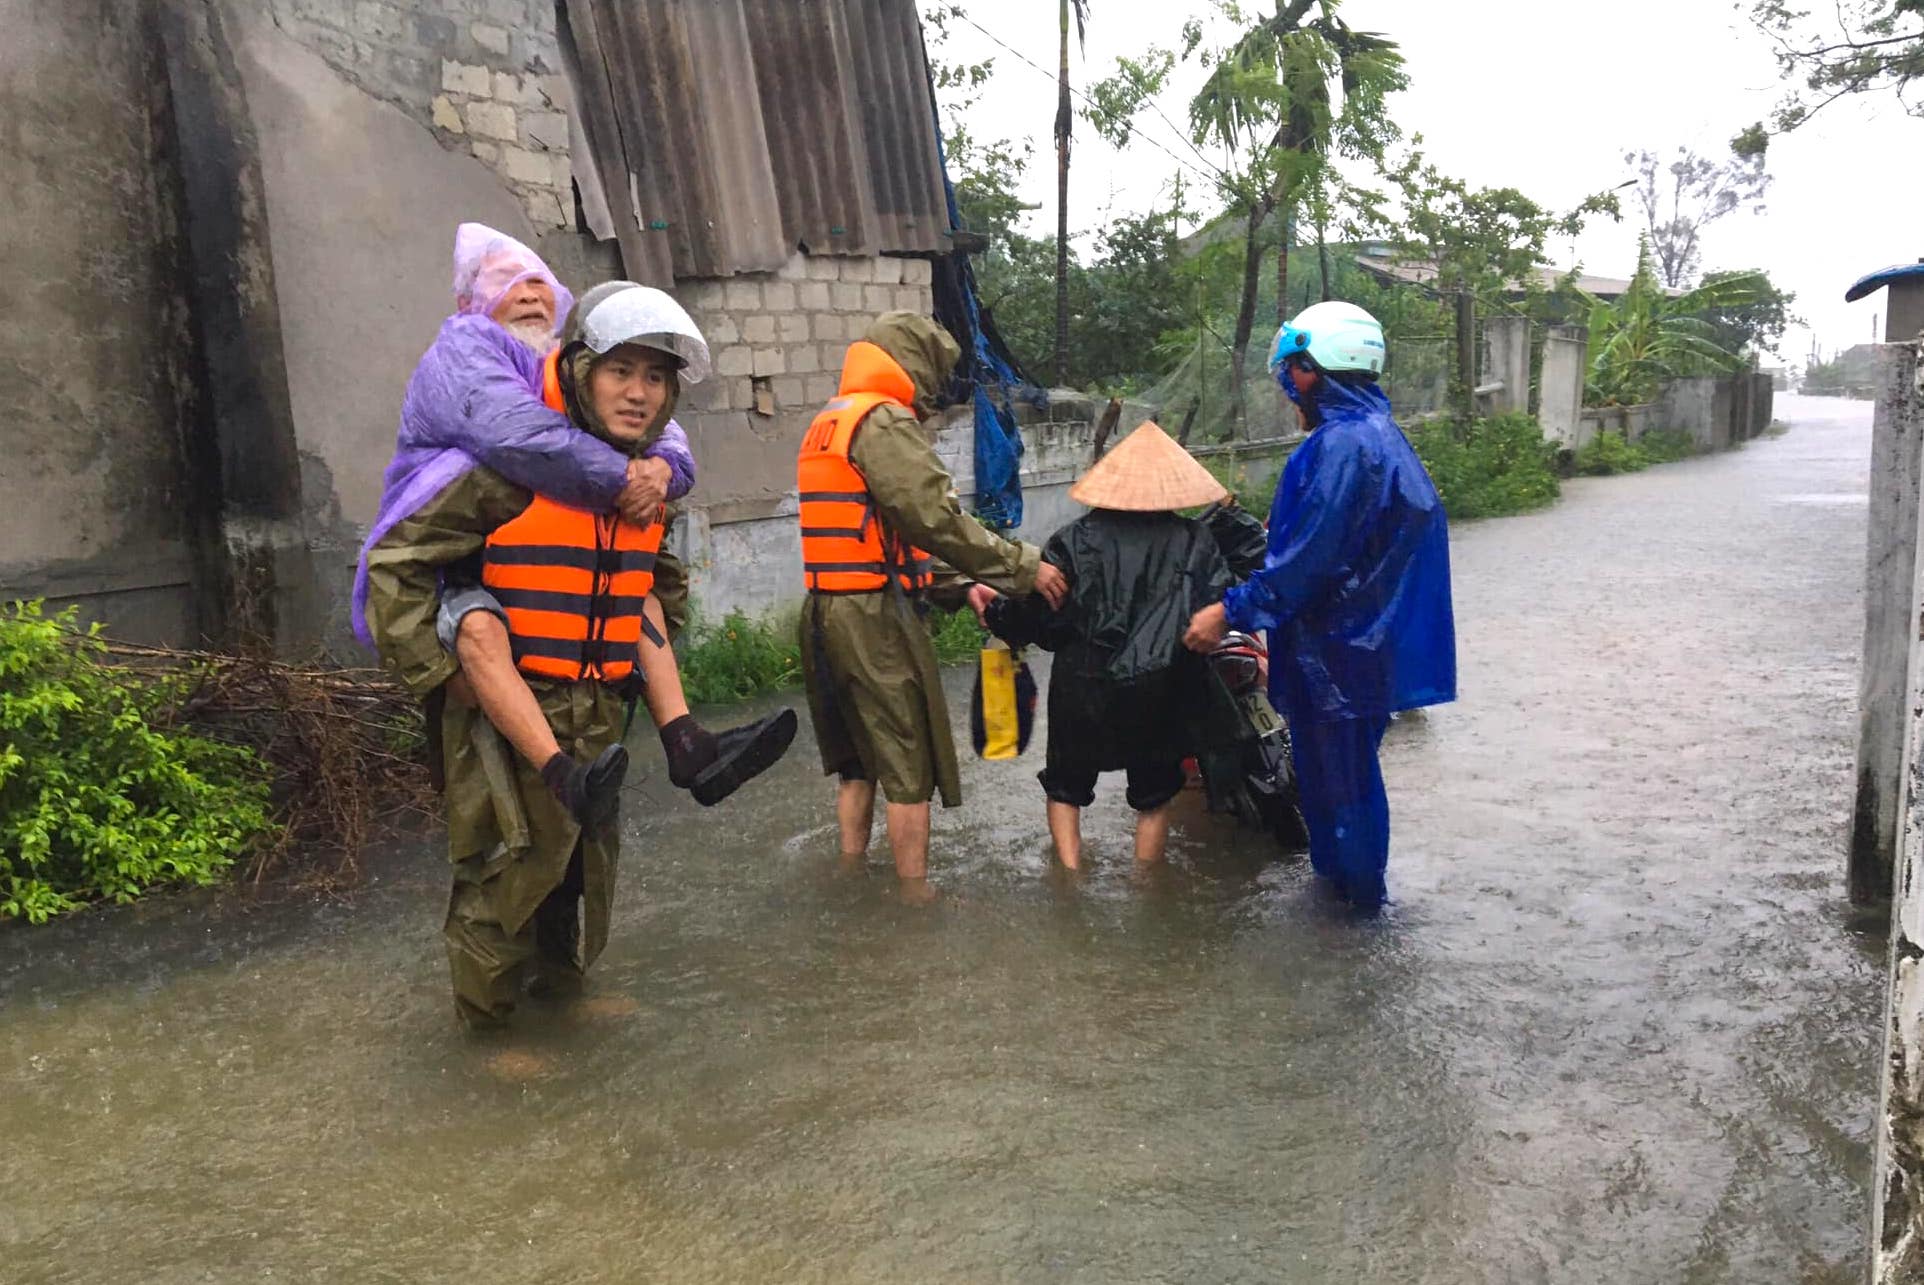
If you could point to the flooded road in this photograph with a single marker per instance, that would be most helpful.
(1619, 1025)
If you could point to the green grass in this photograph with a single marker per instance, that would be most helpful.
(1609, 453)
(739, 658)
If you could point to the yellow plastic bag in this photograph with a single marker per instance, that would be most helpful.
(1002, 711)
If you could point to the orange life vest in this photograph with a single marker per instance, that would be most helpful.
(572, 582)
(845, 546)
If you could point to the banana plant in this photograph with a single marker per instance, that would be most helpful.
(1649, 335)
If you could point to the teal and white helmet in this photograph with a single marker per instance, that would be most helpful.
(1336, 337)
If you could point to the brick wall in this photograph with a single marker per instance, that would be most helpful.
(483, 75)
(778, 338)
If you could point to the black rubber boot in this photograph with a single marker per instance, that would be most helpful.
(742, 754)
(591, 793)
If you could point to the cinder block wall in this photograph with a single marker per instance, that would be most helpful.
(778, 341)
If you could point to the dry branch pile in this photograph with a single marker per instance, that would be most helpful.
(345, 745)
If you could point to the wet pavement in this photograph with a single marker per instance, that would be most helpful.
(1619, 1025)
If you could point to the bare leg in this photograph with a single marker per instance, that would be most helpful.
(666, 702)
(481, 645)
(909, 839)
(855, 811)
(1065, 827)
(1152, 834)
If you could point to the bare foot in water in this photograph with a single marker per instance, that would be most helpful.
(603, 1008)
(518, 1066)
(918, 892)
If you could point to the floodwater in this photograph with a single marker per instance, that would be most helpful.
(1619, 1025)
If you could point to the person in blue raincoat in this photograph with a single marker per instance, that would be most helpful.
(1354, 590)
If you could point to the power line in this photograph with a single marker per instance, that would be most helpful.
(1214, 173)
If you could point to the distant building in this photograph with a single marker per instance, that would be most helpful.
(1385, 264)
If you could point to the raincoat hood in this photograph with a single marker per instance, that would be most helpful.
(1336, 397)
(488, 264)
(925, 351)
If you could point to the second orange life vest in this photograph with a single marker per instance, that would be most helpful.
(846, 548)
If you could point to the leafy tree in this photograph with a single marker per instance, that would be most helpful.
(1753, 321)
(1484, 240)
(1825, 379)
(1682, 198)
(1649, 335)
(1875, 46)
(1269, 104)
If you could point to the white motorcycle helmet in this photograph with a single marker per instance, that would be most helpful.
(625, 312)
(1336, 337)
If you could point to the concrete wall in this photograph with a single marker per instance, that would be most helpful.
(1896, 467)
(483, 76)
(98, 476)
(1628, 422)
(1715, 411)
(1897, 1184)
(1560, 384)
(1506, 342)
(362, 200)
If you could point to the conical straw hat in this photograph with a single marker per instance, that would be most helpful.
(1147, 472)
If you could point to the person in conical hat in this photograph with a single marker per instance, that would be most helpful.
(1122, 683)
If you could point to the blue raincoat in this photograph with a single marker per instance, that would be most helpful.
(1355, 594)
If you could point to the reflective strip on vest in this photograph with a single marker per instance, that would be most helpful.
(845, 547)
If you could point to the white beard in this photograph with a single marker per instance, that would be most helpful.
(534, 335)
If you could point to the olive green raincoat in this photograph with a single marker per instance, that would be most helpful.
(874, 688)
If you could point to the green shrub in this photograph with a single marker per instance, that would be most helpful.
(1608, 453)
(99, 801)
(742, 658)
(958, 638)
(1667, 445)
(738, 658)
(1493, 468)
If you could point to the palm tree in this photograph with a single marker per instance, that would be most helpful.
(1649, 335)
(1065, 117)
(1272, 94)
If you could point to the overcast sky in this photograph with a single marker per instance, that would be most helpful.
(1543, 97)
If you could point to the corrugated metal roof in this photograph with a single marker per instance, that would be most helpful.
(819, 163)
(891, 78)
(728, 133)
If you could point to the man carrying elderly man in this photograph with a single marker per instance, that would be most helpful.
(509, 579)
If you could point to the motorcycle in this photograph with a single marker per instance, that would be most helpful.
(1245, 764)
